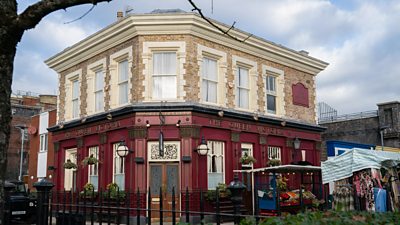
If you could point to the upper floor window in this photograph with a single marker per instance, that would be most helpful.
(123, 75)
(215, 164)
(274, 93)
(270, 87)
(209, 80)
(98, 91)
(43, 142)
(164, 75)
(242, 87)
(75, 98)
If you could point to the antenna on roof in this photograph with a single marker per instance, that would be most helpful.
(128, 9)
(212, 6)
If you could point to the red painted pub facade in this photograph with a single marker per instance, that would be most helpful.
(184, 126)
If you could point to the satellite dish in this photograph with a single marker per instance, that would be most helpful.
(32, 130)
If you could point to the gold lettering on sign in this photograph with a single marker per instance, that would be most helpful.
(269, 130)
(214, 122)
(239, 126)
(91, 130)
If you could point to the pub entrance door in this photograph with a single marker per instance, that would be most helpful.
(164, 176)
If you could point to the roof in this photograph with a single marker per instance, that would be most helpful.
(344, 165)
(164, 22)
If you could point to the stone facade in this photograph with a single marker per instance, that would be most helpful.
(191, 88)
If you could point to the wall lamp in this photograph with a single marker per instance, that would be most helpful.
(123, 150)
(147, 124)
(202, 149)
(178, 124)
(296, 143)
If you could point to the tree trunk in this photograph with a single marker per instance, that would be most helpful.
(8, 43)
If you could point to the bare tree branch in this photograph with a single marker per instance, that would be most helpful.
(91, 8)
(225, 32)
(34, 13)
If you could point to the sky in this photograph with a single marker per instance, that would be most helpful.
(360, 39)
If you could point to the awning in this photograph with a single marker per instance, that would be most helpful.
(343, 166)
(282, 169)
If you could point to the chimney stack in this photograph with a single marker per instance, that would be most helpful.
(120, 15)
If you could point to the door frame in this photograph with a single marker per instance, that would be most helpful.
(176, 161)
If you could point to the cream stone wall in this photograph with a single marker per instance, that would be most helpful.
(190, 85)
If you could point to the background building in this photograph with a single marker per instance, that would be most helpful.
(23, 106)
(368, 128)
(171, 76)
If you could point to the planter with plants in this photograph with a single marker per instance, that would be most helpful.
(247, 159)
(69, 165)
(113, 192)
(274, 162)
(90, 160)
(224, 192)
(88, 191)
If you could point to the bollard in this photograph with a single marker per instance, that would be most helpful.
(43, 188)
(236, 187)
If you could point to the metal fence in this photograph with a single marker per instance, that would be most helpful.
(127, 207)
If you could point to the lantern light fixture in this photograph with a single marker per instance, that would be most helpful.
(202, 149)
(296, 143)
(122, 149)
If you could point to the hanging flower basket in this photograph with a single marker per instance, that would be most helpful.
(69, 165)
(90, 160)
(247, 159)
(274, 162)
(88, 191)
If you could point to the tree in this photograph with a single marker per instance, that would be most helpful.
(12, 28)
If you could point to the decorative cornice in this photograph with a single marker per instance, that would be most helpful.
(183, 23)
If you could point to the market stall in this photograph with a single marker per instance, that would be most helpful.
(362, 179)
(285, 188)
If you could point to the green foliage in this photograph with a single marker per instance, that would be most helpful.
(113, 192)
(90, 160)
(88, 191)
(224, 192)
(247, 159)
(69, 165)
(330, 218)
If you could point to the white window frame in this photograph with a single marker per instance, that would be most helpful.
(207, 81)
(43, 142)
(123, 84)
(92, 88)
(118, 167)
(93, 170)
(279, 92)
(270, 92)
(210, 156)
(166, 75)
(247, 148)
(115, 59)
(75, 94)
(68, 108)
(99, 91)
(68, 173)
(149, 47)
(274, 151)
(251, 66)
(204, 52)
(240, 88)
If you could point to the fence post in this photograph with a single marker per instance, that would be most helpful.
(43, 187)
(149, 207)
(173, 206)
(217, 207)
(236, 187)
(187, 205)
(138, 207)
(201, 207)
(161, 207)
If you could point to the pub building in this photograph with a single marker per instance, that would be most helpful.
(164, 99)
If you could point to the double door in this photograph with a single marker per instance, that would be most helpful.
(164, 177)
